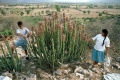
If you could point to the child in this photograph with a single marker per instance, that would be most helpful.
(101, 47)
(22, 33)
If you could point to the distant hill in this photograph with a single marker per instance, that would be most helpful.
(8, 1)
(39, 1)
(106, 1)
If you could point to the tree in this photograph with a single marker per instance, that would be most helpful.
(52, 12)
(3, 12)
(37, 6)
(100, 14)
(84, 12)
(70, 16)
(47, 12)
(42, 12)
(68, 10)
(33, 8)
(88, 11)
(110, 6)
(51, 6)
(39, 13)
(28, 12)
(35, 14)
(22, 13)
(57, 7)
(11, 12)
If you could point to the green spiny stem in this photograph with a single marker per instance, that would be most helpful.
(11, 54)
(5, 59)
(53, 55)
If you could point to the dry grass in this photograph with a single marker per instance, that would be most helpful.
(72, 12)
(110, 11)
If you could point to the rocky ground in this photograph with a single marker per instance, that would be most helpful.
(71, 71)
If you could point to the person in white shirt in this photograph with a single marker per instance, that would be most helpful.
(22, 33)
(101, 47)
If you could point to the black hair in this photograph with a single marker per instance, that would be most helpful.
(20, 23)
(105, 31)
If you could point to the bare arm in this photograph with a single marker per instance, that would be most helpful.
(90, 39)
(28, 34)
(107, 48)
(18, 34)
(93, 39)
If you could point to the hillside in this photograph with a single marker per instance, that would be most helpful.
(8, 1)
(39, 1)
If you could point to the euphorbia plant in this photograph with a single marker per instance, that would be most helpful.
(57, 40)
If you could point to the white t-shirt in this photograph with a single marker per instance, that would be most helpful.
(99, 41)
(23, 31)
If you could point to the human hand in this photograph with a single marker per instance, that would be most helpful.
(106, 53)
(24, 37)
(28, 35)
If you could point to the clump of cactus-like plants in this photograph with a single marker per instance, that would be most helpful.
(57, 40)
(9, 61)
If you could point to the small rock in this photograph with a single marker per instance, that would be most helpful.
(16, 74)
(89, 75)
(24, 76)
(65, 72)
(64, 65)
(118, 59)
(23, 65)
(54, 79)
(38, 69)
(78, 69)
(28, 72)
(85, 72)
(95, 70)
(80, 75)
(63, 79)
(112, 67)
(78, 63)
(32, 77)
(72, 75)
(8, 74)
(31, 63)
(106, 70)
(91, 66)
(58, 77)
(58, 72)
(116, 65)
(86, 79)
(22, 79)
(33, 67)
(46, 75)
(96, 79)
(101, 69)
(89, 71)
(103, 73)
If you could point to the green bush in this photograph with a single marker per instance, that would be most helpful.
(10, 32)
(7, 33)
(10, 62)
(57, 42)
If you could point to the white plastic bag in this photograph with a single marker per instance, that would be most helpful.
(107, 61)
(4, 78)
(113, 76)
